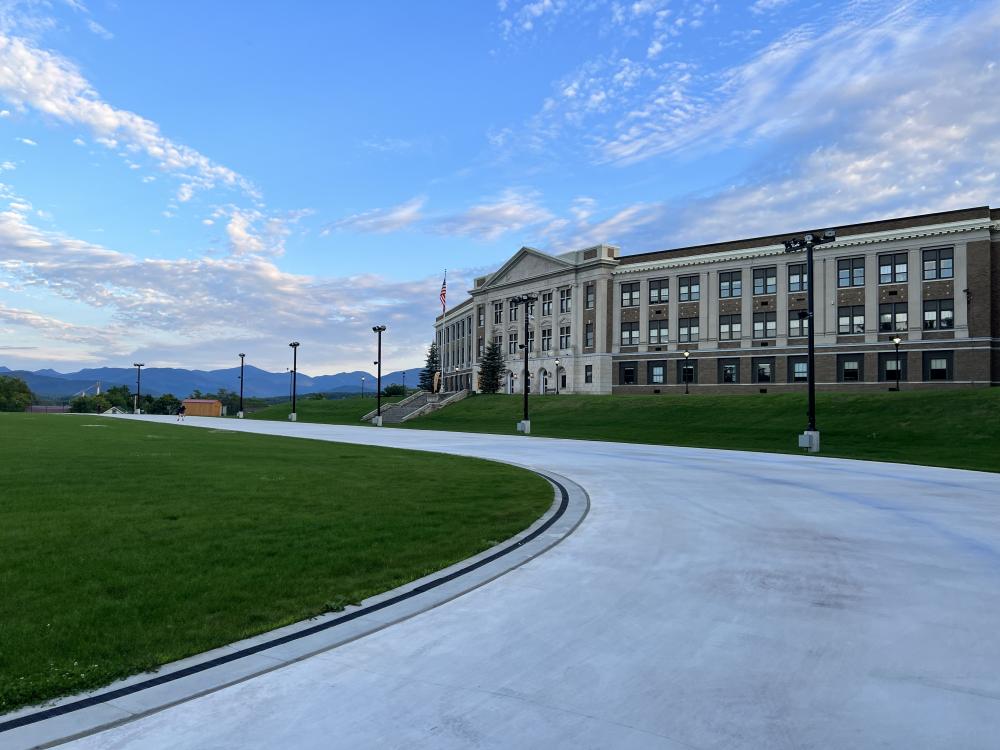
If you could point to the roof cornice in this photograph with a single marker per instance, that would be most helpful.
(853, 240)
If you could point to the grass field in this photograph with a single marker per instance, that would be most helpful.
(328, 411)
(940, 428)
(126, 545)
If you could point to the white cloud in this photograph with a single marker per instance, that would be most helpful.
(207, 222)
(96, 28)
(185, 308)
(4, 113)
(382, 220)
(766, 6)
(511, 212)
(50, 84)
(26, 141)
(7, 166)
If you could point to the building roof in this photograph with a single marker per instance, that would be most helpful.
(846, 230)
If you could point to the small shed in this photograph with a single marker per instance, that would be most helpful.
(202, 407)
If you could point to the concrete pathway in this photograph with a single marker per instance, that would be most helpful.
(710, 599)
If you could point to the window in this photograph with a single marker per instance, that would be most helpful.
(892, 268)
(729, 371)
(588, 373)
(481, 346)
(690, 288)
(546, 339)
(765, 280)
(687, 329)
(564, 337)
(630, 334)
(730, 327)
(512, 344)
(798, 369)
(531, 341)
(565, 300)
(481, 315)
(765, 325)
(657, 373)
(939, 264)
(687, 370)
(798, 279)
(730, 284)
(497, 313)
(630, 294)
(850, 368)
(658, 332)
(851, 272)
(763, 369)
(498, 340)
(798, 323)
(892, 317)
(531, 308)
(939, 314)
(547, 303)
(589, 334)
(626, 373)
(590, 296)
(888, 365)
(512, 313)
(938, 365)
(851, 319)
(659, 291)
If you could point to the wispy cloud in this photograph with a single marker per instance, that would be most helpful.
(512, 211)
(26, 141)
(187, 306)
(382, 220)
(48, 83)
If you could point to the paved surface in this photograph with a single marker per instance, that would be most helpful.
(710, 599)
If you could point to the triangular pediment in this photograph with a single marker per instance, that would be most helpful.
(526, 263)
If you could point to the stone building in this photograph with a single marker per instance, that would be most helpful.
(605, 322)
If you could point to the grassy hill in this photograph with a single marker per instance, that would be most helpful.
(940, 428)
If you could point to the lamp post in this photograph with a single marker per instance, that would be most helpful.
(557, 376)
(138, 386)
(404, 383)
(362, 386)
(295, 374)
(896, 341)
(527, 299)
(377, 330)
(239, 414)
(684, 371)
(810, 438)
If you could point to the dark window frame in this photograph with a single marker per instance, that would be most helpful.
(893, 309)
(928, 360)
(632, 329)
(855, 272)
(755, 371)
(730, 321)
(690, 336)
(770, 328)
(768, 280)
(891, 262)
(725, 362)
(730, 284)
(802, 284)
(852, 316)
(939, 257)
(938, 306)
(842, 360)
(662, 289)
(689, 288)
(629, 294)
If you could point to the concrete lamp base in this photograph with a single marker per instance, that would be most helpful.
(291, 417)
(524, 426)
(239, 415)
(810, 441)
(377, 421)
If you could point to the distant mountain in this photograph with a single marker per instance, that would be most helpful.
(159, 380)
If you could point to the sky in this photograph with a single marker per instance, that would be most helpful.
(184, 181)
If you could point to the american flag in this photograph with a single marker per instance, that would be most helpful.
(444, 291)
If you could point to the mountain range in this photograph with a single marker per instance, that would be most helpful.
(159, 380)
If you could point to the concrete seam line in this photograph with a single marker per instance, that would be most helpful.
(555, 513)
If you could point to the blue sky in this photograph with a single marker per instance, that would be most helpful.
(183, 181)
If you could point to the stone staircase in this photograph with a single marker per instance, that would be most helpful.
(414, 406)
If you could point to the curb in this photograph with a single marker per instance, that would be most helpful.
(140, 695)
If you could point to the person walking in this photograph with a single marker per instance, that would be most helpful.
(180, 412)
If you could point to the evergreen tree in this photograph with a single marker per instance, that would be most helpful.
(426, 381)
(491, 369)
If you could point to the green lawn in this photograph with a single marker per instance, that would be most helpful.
(941, 428)
(329, 411)
(126, 545)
